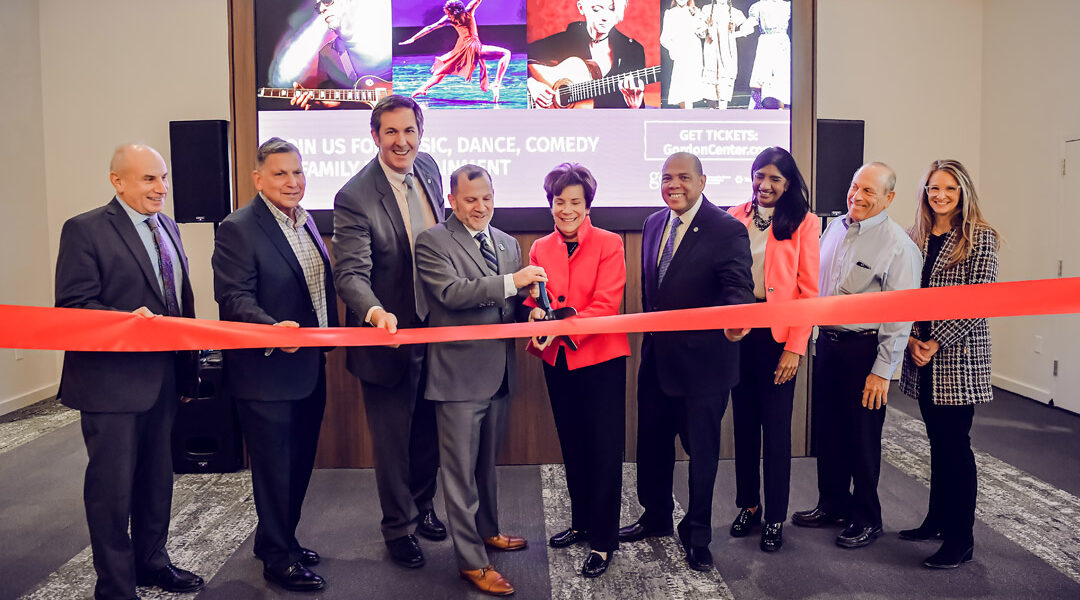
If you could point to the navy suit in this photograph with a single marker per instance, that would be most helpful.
(280, 397)
(128, 399)
(685, 376)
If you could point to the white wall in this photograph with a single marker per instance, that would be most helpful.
(913, 71)
(1031, 95)
(26, 268)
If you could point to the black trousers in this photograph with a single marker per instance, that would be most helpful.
(954, 481)
(129, 479)
(282, 438)
(696, 420)
(849, 452)
(589, 406)
(762, 408)
(406, 447)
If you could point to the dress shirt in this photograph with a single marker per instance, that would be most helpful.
(759, 240)
(872, 255)
(307, 254)
(147, 237)
(687, 218)
(509, 289)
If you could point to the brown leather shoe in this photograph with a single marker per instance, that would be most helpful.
(489, 581)
(506, 542)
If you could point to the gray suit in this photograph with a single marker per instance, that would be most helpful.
(470, 381)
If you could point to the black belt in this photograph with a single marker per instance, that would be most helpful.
(835, 335)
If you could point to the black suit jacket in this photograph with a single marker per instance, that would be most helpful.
(373, 261)
(710, 268)
(103, 265)
(257, 279)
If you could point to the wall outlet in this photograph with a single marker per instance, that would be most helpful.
(1038, 346)
(18, 354)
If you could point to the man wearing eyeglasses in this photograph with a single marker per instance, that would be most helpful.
(864, 251)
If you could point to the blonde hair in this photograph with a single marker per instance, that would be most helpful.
(966, 220)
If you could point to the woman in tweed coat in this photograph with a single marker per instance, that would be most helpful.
(947, 365)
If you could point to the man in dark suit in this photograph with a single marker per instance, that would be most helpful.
(271, 267)
(472, 276)
(127, 256)
(693, 255)
(377, 216)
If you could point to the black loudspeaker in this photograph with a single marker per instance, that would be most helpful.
(839, 155)
(201, 187)
(206, 436)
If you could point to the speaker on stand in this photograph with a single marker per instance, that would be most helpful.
(206, 435)
(201, 185)
(839, 154)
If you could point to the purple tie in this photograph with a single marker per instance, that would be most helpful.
(172, 307)
(669, 251)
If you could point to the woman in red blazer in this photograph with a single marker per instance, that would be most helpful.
(586, 270)
(784, 245)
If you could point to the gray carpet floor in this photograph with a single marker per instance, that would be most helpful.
(1027, 543)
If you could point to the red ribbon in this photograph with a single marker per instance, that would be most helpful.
(41, 328)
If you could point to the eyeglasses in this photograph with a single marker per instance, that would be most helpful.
(324, 3)
(934, 190)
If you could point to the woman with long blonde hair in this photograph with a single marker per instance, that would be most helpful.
(947, 365)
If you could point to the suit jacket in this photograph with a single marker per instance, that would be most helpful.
(710, 268)
(373, 261)
(103, 265)
(791, 271)
(462, 290)
(961, 366)
(257, 279)
(592, 281)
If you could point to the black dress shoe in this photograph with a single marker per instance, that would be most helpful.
(949, 556)
(699, 558)
(772, 537)
(638, 531)
(816, 517)
(746, 521)
(295, 578)
(406, 552)
(171, 579)
(430, 526)
(857, 536)
(595, 565)
(309, 557)
(921, 533)
(567, 538)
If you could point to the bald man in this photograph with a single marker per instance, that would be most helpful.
(127, 256)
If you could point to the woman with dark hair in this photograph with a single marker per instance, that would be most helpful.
(467, 54)
(947, 366)
(784, 245)
(586, 375)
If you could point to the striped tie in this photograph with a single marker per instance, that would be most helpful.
(488, 253)
(669, 251)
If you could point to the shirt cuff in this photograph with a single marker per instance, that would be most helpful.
(367, 317)
(509, 289)
(883, 369)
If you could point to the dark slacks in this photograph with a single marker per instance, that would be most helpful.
(849, 451)
(696, 420)
(954, 481)
(282, 437)
(402, 427)
(760, 409)
(129, 479)
(589, 406)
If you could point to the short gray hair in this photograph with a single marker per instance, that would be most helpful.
(274, 145)
(890, 180)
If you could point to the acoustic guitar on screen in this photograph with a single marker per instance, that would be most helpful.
(368, 90)
(577, 82)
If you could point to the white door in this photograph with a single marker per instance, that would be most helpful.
(1066, 392)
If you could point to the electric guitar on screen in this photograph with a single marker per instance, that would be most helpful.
(368, 90)
(577, 82)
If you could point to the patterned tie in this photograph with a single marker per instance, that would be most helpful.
(416, 225)
(172, 307)
(487, 252)
(669, 251)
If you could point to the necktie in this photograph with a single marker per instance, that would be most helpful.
(172, 307)
(416, 225)
(487, 252)
(669, 251)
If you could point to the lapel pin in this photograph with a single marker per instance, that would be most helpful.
(502, 248)
(695, 230)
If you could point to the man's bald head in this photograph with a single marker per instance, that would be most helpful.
(140, 178)
(694, 161)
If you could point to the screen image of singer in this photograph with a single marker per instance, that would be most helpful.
(519, 86)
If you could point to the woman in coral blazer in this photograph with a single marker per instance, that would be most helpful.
(586, 270)
(784, 245)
